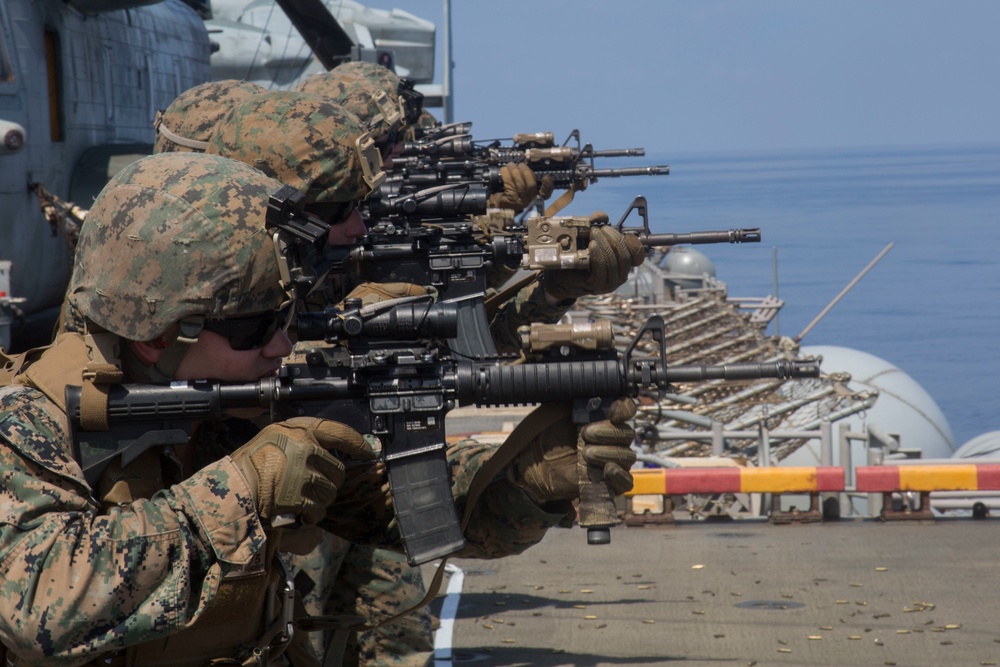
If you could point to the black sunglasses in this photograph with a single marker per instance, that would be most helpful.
(332, 213)
(251, 332)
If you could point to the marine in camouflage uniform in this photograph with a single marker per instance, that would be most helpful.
(367, 90)
(375, 584)
(394, 644)
(90, 570)
(338, 577)
(154, 553)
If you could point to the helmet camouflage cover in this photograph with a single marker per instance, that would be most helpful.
(306, 141)
(173, 236)
(367, 90)
(191, 118)
(384, 79)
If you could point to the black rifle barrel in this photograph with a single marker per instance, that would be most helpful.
(780, 370)
(695, 238)
(616, 152)
(563, 176)
(442, 173)
(449, 130)
(652, 170)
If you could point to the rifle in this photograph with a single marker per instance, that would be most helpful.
(565, 173)
(455, 257)
(570, 167)
(560, 242)
(392, 376)
(64, 218)
(454, 141)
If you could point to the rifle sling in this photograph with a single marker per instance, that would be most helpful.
(74, 359)
(497, 299)
(561, 203)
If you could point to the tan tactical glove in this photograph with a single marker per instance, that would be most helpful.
(612, 256)
(546, 186)
(370, 293)
(519, 188)
(549, 467)
(290, 470)
(363, 510)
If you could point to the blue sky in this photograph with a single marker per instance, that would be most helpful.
(726, 75)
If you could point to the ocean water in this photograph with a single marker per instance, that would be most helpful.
(931, 306)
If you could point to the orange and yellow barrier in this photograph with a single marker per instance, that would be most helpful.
(925, 478)
(680, 481)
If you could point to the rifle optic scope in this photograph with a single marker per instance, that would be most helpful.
(456, 202)
(402, 321)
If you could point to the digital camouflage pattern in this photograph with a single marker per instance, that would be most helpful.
(174, 235)
(356, 92)
(194, 113)
(70, 318)
(138, 572)
(378, 584)
(326, 83)
(303, 140)
(427, 120)
(369, 576)
(505, 521)
(340, 577)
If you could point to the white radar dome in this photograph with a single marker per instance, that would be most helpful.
(686, 267)
(903, 408)
(985, 445)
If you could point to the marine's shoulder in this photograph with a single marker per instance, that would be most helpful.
(35, 426)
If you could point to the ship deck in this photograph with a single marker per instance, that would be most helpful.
(739, 592)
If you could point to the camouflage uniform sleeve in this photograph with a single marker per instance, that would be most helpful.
(79, 581)
(504, 521)
(527, 306)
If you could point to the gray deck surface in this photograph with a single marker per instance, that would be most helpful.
(858, 592)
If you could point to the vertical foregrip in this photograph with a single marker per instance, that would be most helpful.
(596, 510)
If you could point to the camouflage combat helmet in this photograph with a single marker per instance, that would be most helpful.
(370, 95)
(177, 237)
(188, 122)
(306, 141)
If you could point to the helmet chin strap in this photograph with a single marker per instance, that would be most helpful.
(173, 352)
